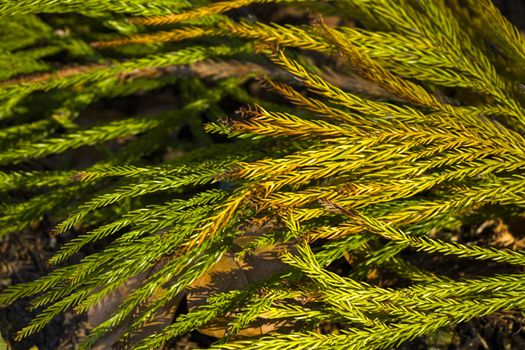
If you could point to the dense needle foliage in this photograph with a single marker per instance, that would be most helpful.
(381, 133)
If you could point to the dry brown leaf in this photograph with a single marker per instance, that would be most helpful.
(235, 274)
(505, 233)
(511, 233)
(103, 310)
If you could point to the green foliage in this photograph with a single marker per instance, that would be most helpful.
(409, 126)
